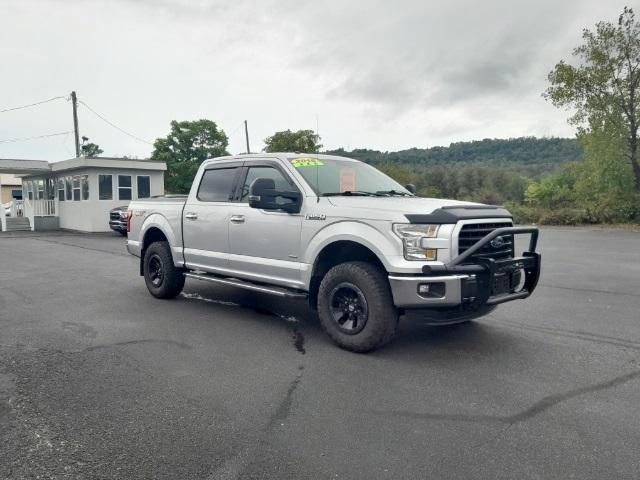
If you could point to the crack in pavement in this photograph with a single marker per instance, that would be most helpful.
(296, 334)
(182, 345)
(234, 468)
(589, 290)
(110, 252)
(537, 408)
(591, 337)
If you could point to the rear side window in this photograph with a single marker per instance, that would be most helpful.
(217, 185)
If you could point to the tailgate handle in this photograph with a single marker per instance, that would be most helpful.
(191, 216)
(237, 219)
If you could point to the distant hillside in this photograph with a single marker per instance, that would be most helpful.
(529, 155)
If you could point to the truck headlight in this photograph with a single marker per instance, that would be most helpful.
(412, 235)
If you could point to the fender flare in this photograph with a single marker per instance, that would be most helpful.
(353, 231)
(157, 220)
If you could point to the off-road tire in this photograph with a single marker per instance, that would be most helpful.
(172, 280)
(382, 319)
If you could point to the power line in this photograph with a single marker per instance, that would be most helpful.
(24, 139)
(113, 125)
(32, 104)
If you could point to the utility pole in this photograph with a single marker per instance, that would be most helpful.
(246, 134)
(74, 102)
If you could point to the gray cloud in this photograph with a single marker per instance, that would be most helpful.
(381, 74)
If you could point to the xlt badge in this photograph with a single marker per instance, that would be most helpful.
(316, 216)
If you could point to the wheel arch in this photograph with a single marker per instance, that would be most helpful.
(151, 234)
(335, 253)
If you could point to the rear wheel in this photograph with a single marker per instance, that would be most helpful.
(355, 307)
(162, 277)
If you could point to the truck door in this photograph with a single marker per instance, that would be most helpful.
(205, 222)
(264, 244)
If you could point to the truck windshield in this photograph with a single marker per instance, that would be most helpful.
(329, 177)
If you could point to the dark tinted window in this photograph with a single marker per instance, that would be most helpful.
(105, 187)
(217, 185)
(144, 187)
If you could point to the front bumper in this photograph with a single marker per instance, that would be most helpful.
(118, 225)
(471, 282)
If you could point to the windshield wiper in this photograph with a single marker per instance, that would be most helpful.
(395, 192)
(349, 193)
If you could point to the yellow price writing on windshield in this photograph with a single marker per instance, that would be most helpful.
(306, 162)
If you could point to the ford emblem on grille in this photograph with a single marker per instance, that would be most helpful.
(497, 242)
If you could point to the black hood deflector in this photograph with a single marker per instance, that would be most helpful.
(454, 213)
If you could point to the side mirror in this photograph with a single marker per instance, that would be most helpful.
(411, 187)
(263, 195)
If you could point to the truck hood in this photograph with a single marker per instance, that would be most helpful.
(393, 206)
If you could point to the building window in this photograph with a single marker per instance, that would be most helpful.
(105, 187)
(76, 189)
(50, 188)
(29, 190)
(61, 189)
(84, 183)
(144, 186)
(124, 187)
(68, 188)
(40, 186)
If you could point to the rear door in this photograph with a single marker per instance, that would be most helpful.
(264, 244)
(205, 221)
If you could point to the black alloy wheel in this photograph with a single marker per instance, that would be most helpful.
(349, 308)
(156, 270)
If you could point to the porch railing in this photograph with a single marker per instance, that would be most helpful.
(43, 208)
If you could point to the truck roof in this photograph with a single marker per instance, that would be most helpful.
(279, 155)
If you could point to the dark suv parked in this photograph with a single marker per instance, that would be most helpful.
(118, 220)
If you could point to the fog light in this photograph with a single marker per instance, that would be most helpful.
(431, 290)
(431, 254)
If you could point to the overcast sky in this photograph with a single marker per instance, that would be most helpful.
(377, 74)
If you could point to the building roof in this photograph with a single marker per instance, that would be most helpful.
(35, 167)
(8, 165)
(107, 162)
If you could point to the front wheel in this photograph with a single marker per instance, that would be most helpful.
(355, 307)
(162, 277)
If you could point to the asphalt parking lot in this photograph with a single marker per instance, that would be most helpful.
(100, 380)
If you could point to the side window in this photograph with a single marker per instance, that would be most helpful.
(61, 196)
(69, 188)
(144, 186)
(282, 183)
(124, 187)
(105, 187)
(217, 185)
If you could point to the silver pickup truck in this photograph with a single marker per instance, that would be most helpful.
(359, 246)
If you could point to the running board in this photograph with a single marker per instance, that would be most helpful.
(234, 282)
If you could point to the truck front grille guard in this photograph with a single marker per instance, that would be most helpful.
(486, 268)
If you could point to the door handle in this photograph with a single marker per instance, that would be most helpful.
(191, 216)
(237, 219)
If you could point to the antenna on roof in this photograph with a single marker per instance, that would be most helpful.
(317, 158)
(246, 135)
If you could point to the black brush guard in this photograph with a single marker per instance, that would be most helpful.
(481, 289)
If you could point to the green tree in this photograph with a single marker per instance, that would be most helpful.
(303, 141)
(188, 144)
(604, 86)
(89, 149)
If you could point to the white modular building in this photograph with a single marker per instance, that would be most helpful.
(77, 194)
